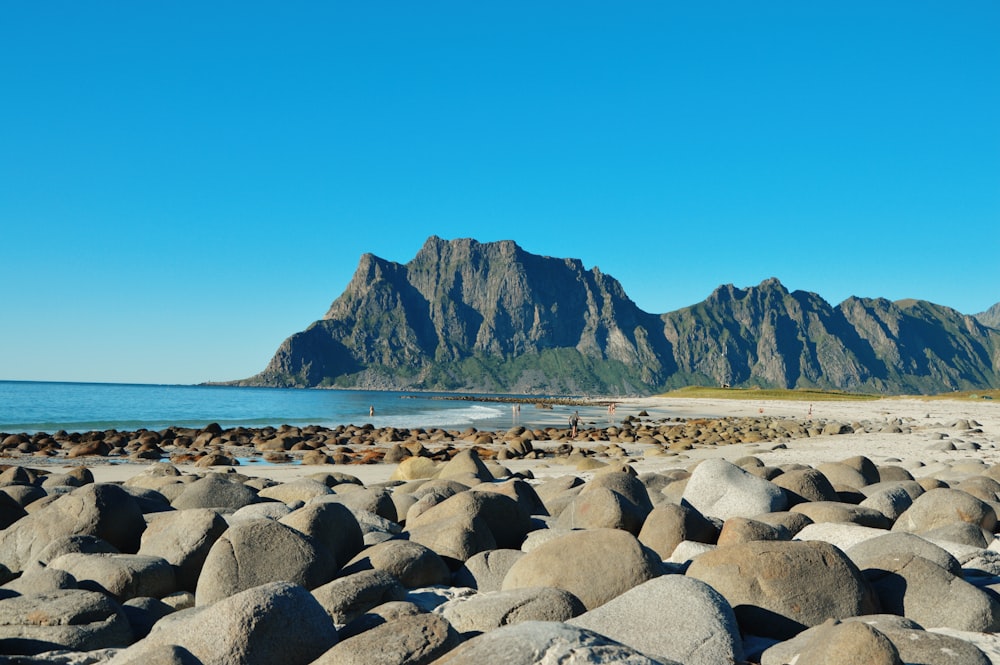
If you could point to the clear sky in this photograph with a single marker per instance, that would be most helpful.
(185, 184)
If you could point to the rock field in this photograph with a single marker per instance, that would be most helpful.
(868, 536)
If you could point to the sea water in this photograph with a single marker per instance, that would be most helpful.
(29, 406)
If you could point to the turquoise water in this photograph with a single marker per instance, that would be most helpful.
(27, 406)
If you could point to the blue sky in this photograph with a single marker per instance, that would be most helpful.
(183, 185)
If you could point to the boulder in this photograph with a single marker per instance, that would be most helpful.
(779, 588)
(378, 616)
(489, 610)
(347, 598)
(466, 463)
(538, 642)
(670, 617)
(76, 543)
(601, 508)
(941, 507)
(508, 521)
(412, 640)
(914, 645)
(720, 489)
(455, 538)
(183, 538)
(803, 485)
(102, 510)
(852, 643)
(669, 524)
(625, 484)
(277, 622)
(256, 553)
(413, 564)
(836, 511)
(891, 501)
(897, 544)
(69, 619)
(412, 468)
(743, 530)
(330, 524)
(520, 491)
(843, 535)
(300, 490)
(217, 491)
(841, 475)
(376, 500)
(912, 586)
(39, 578)
(485, 571)
(594, 565)
(123, 576)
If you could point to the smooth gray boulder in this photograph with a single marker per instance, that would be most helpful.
(718, 488)
(300, 490)
(594, 565)
(123, 576)
(508, 521)
(544, 642)
(669, 524)
(413, 640)
(743, 530)
(347, 598)
(838, 643)
(413, 564)
(485, 571)
(670, 617)
(602, 508)
(838, 511)
(184, 538)
(891, 501)
(868, 553)
(70, 619)
(278, 622)
(331, 524)
(914, 587)
(102, 510)
(486, 611)
(376, 500)
(217, 491)
(941, 507)
(256, 553)
(778, 588)
(39, 578)
(802, 485)
(378, 616)
(914, 645)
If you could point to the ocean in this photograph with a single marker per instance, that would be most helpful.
(31, 406)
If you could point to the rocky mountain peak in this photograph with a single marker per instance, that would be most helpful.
(492, 317)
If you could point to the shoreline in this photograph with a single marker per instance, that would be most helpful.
(924, 425)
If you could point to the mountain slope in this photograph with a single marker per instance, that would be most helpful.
(990, 317)
(464, 315)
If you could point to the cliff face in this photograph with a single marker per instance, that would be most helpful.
(472, 316)
(990, 317)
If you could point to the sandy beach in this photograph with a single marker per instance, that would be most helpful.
(919, 449)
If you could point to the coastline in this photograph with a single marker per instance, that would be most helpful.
(918, 447)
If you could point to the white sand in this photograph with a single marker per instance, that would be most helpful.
(928, 420)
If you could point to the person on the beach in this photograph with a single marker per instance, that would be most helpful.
(574, 422)
(371, 410)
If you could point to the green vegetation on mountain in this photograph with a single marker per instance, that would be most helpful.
(490, 317)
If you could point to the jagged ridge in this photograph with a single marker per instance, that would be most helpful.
(490, 317)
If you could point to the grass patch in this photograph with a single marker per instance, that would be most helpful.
(706, 392)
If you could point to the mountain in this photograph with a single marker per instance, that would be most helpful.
(490, 317)
(990, 317)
